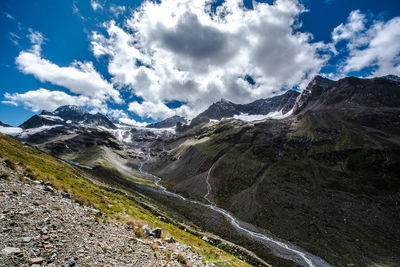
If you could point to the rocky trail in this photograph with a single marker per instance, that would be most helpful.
(43, 227)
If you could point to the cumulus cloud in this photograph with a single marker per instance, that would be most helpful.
(132, 122)
(354, 25)
(80, 77)
(150, 109)
(376, 46)
(186, 51)
(43, 99)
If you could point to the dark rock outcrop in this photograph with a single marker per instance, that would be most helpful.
(68, 115)
(169, 122)
(227, 109)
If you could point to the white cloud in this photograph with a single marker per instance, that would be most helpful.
(376, 46)
(355, 24)
(181, 50)
(14, 38)
(37, 40)
(43, 99)
(9, 16)
(150, 109)
(132, 122)
(117, 10)
(79, 77)
(95, 5)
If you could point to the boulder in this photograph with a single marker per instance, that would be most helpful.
(146, 230)
(170, 240)
(156, 233)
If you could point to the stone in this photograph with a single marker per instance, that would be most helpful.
(69, 263)
(170, 240)
(26, 239)
(156, 232)
(94, 212)
(11, 250)
(146, 230)
(37, 260)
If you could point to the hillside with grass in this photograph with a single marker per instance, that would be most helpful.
(29, 164)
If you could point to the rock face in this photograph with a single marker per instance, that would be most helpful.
(350, 92)
(312, 93)
(391, 77)
(227, 109)
(167, 123)
(68, 115)
(321, 178)
(4, 124)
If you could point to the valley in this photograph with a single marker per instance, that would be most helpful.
(317, 185)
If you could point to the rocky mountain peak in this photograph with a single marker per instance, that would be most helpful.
(391, 77)
(169, 122)
(69, 109)
(313, 91)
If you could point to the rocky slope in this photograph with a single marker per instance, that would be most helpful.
(56, 207)
(227, 109)
(68, 115)
(169, 122)
(42, 227)
(325, 179)
(4, 124)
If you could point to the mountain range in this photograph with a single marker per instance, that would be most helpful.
(319, 169)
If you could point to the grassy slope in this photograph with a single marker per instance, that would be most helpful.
(85, 190)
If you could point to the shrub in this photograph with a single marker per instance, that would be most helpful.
(10, 164)
(4, 176)
(181, 259)
(138, 232)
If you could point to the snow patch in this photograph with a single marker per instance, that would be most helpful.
(32, 131)
(51, 118)
(276, 115)
(13, 131)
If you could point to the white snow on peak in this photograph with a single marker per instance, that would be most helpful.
(68, 121)
(28, 132)
(52, 118)
(276, 115)
(21, 133)
(13, 131)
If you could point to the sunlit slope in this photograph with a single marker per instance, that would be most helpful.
(86, 190)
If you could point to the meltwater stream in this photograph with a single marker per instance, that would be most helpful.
(291, 252)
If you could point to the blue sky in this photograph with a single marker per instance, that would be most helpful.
(164, 59)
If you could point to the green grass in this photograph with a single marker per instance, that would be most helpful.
(4, 176)
(88, 191)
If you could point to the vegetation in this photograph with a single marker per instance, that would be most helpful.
(87, 190)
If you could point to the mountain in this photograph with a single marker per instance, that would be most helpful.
(4, 124)
(391, 77)
(350, 92)
(325, 178)
(226, 109)
(68, 115)
(168, 123)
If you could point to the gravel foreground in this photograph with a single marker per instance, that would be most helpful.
(43, 227)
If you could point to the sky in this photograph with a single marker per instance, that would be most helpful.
(143, 61)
